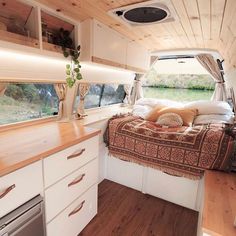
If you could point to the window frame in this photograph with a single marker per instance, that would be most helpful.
(36, 121)
(100, 98)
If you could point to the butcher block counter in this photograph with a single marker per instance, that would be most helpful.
(26, 145)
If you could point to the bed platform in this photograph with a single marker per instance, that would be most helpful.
(166, 163)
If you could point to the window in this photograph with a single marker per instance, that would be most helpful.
(102, 95)
(23, 101)
(182, 79)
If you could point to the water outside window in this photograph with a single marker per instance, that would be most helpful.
(22, 102)
(178, 79)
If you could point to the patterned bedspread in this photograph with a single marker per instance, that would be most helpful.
(185, 151)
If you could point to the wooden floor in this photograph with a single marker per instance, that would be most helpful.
(124, 211)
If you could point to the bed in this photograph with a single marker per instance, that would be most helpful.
(184, 151)
(161, 156)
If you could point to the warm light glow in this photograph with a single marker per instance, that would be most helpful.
(8, 54)
(30, 57)
(103, 68)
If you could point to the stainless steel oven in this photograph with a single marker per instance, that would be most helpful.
(26, 220)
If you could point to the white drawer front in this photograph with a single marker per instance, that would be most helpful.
(22, 184)
(63, 163)
(60, 195)
(74, 218)
(179, 190)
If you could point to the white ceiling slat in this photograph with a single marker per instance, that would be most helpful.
(205, 17)
(194, 17)
(184, 19)
(217, 13)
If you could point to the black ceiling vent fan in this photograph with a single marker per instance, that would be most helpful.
(149, 12)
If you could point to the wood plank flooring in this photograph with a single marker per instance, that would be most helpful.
(124, 211)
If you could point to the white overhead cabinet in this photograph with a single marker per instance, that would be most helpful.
(138, 58)
(101, 44)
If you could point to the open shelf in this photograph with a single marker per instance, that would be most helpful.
(19, 39)
(51, 26)
(17, 23)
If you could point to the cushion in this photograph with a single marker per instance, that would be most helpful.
(170, 120)
(213, 119)
(141, 111)
(153, 102)
(187, 115)
(210, 107)
(152, 115)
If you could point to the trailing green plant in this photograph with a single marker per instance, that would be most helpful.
(73, 69)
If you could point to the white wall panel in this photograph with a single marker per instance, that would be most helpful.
(32, 66)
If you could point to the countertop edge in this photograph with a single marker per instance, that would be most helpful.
(41, 156)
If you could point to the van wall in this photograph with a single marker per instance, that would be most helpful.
(20, 65)
(230, 78)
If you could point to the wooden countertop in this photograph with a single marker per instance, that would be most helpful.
(23, 146)
(219, 210)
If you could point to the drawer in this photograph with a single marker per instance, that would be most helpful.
(126, 173)
(74, 218)
(65, 162)
(22, 185)
(60, 195)
(179, 190)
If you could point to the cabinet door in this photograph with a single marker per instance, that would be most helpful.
(20, 186)
(179, 190)
(108, 44)
(137, 56)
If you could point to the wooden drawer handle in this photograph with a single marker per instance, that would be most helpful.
(77, 209)
(6, 191)
(76, 181)
(76, 154)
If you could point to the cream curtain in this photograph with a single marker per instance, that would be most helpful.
(128, 89)
(61, 93)
(137, 89)
(3, 87)
(83, 90)
(208, 62)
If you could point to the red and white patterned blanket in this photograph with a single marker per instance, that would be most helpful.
(185, 151)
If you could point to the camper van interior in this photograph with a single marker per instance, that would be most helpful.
(117, 118)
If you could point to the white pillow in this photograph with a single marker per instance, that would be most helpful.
(210, 107)
(152, 102)
(170, 120)
(141, 111)
(213, 119)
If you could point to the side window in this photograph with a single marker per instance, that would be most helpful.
(112, 94)
(27, 101)
(92, 99)
(102, 95)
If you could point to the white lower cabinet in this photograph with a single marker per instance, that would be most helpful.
(70, 188)
(74, 218)
(64, 192)
(179, 190)
(20, 186)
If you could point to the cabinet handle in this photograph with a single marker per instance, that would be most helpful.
(77, 180)
(76, 154)
(6, 191)
(77, 209)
